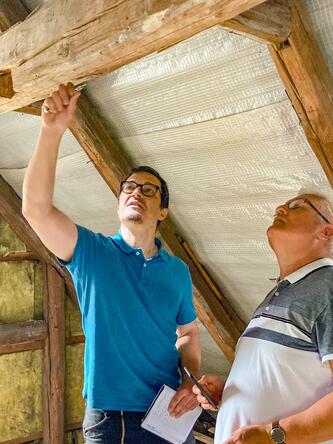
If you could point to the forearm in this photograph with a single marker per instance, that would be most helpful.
(38, 185)
(311, 426)
(189, 349)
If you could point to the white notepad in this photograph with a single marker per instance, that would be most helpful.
(158, 421)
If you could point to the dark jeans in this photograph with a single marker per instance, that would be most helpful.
(115, 427)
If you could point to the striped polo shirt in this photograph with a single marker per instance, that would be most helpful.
(281, 364)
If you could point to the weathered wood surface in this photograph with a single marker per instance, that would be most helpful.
(22, 332)
(269, 22)
(54, 358)
(11, 12)
(79, 40)
(6, 86)
(309, 85)
(19, 256)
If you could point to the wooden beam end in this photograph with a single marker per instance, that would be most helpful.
(6, 86)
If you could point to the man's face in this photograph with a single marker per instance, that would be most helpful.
(138, 208)
(297, 221)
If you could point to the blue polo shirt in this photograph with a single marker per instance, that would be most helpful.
(131, 308)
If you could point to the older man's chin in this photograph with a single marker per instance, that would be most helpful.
(274, 229)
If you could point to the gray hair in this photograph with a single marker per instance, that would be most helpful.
(327, 206)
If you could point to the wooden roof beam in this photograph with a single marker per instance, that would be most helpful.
(309, 84)
(79, 40)
(28, 335)
(11, 12)
(268, 22)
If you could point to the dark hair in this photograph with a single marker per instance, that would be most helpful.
(164, 186)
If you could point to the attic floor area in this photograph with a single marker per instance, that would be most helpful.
(230, 101)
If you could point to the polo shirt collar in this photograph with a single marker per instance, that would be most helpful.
(308, 268)
(123, 245)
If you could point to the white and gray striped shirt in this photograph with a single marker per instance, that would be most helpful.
(281, 364)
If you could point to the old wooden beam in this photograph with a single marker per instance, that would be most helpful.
(35, 344)
(269, 22)
(54, 358)
(21, 347)
(22, 332)
(35, 109)
(11, 211)
(79, 40)
(19, 256)
(11, 12)
(309, 84)
(6, 86)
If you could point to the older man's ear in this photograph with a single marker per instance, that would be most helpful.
(327, 232)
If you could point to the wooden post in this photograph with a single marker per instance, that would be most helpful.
(54, 359)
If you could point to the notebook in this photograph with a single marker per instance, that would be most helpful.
(158, 421)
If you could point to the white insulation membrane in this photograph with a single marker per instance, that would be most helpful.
(211, 115)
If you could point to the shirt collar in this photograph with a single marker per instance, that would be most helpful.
(123, 245)
(308, 268)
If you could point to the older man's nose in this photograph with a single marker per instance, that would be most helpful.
(282, 209)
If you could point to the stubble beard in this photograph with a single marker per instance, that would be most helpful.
(136, 218)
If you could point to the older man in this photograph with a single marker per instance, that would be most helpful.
(135, 298)
(280, 388)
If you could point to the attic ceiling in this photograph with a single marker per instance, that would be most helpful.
(212, 116)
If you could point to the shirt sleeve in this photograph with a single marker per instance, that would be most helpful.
(186, 313)
(88, 250)
(323, 332)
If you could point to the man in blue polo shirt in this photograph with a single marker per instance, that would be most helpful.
(135, 298)
(280, 387)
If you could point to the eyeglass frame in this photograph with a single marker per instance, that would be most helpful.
(140, 185)
(305, 200)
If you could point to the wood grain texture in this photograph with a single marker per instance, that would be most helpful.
(20, 332)
(309, 84)
(54, 358)
(79, 40)
(269, 22)
(19, 256)
(6, 86)
(11, 12)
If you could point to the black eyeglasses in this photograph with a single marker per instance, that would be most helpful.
(300, 201)
(147, 189)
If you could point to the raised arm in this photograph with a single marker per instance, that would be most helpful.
(57, 232)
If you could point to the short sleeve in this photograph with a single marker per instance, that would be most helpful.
(323, 332)
(88, 251)
(186, 313)
(88, 246)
